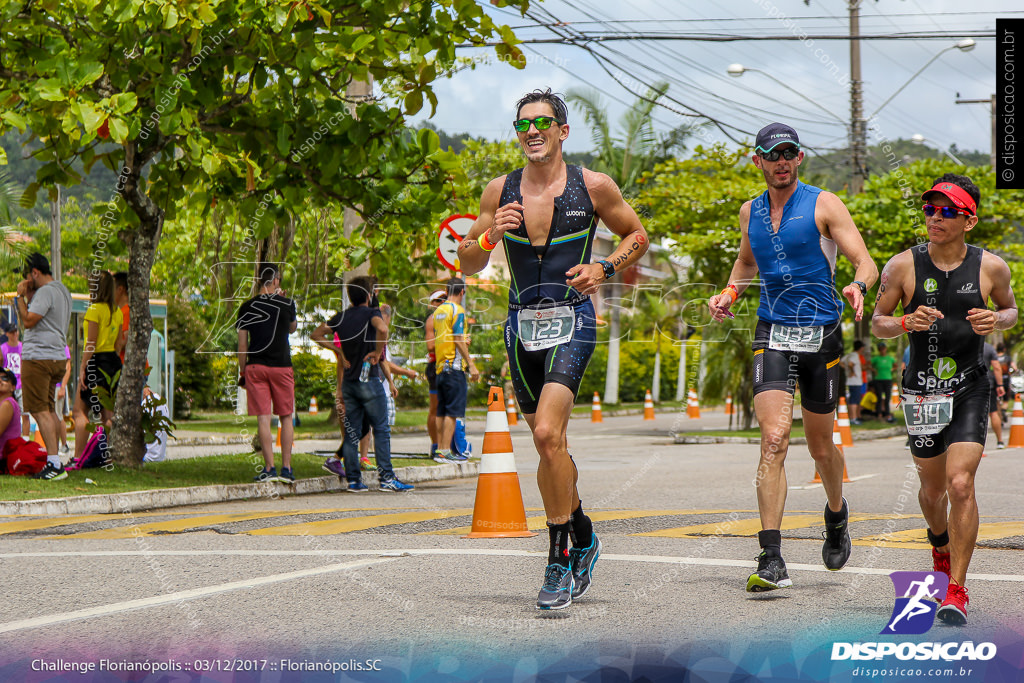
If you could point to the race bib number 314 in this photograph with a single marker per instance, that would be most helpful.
(796, 339)
(546, 328)
(927, 415)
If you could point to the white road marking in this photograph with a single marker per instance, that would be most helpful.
(395, 553)
(180, 596)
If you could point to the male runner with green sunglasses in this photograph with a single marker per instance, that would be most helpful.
(545, 215)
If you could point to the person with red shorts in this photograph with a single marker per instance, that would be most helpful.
(265, 367)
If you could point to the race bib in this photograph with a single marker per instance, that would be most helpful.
(927, 415)
(546, 328)
(796, 339)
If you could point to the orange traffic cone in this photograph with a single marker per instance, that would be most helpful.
(498, 511)
(692, 404)
(843, 423)
(595, 409)
(894, 401)
(729, 408)
(513, 416)
(1016, 425)
(278, 441)
(313, 410)
(648, 406)
(837, 439)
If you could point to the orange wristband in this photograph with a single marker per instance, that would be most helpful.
(732, 292)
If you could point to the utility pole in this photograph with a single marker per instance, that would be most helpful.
(858, 143)
(55, 261)
(992, 104)
(361, 91)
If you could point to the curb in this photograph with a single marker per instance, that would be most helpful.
(135, 501)
(886, 433)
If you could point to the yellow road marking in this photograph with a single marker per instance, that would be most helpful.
(750, 527)
(49, 522)
(343, 526)
(540, 522)
(174, 525)
(917, 538)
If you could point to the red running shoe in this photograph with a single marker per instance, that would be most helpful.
(940, 561)
(953, 609)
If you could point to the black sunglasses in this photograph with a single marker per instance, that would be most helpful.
(788, 154)
(541, 122)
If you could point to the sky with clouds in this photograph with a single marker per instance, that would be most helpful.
(810, 84)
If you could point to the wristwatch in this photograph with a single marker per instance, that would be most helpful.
(863, 287)
(609, 269)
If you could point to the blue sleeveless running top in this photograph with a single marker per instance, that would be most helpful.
(797, 264)
(538, 273)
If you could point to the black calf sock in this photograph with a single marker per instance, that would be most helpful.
(836, 517)
(582, 528)
(771, 541)
(940, 540)
(558, 552)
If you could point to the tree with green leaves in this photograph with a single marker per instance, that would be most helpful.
(240, 102)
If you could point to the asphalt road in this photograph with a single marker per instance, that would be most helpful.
(384, 578)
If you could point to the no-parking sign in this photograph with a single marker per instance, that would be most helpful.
(453, 230)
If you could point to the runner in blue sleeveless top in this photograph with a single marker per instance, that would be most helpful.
(944, 287)
(791, 235)
(545, 216)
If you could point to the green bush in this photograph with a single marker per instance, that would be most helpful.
(314, 376)
(636, 370)
(193, 372)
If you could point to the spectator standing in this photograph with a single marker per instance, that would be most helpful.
(61, 403)
(363, 334)
(265, 367)
(453, 360)
(990, 359)
(854, 380)
(44, 307)
(883, 364)
(11, 351)
(436, 299)
(121, 300)
(101, 331)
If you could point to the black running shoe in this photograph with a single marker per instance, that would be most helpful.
(836, 550)
(556, 593)
(51, 473)
(771, 574)
(582, 561)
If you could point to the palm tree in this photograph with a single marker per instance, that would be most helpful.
(12, 252)
(625, 158)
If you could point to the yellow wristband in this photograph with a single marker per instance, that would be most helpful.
(484, 243)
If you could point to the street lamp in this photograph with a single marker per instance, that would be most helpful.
(737, 70)
(920, 139)
(965, 45)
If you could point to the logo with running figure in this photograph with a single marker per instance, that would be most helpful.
(918, 595)
(944, 368)
(930, 285)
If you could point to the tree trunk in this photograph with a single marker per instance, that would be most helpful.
(611, 376)
(656, 381)
(127, 445)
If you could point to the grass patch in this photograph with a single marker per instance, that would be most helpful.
(217, 469)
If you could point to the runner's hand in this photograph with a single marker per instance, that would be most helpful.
(719, 305)
(585, 278)
(983, 321)
(856, 299)
(507, 217)
(922, 318)
(474, 373)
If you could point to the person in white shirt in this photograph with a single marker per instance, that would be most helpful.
(854, 381)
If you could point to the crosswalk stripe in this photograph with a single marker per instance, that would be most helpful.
(343, 526)
(750, 527)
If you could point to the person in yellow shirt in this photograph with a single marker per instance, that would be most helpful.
(452, 361)
(101, 360)
(869, 403)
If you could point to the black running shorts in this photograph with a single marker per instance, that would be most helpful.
(969, 423)
(816, 372)
(563, 364)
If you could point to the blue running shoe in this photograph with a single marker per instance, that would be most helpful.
(357, 487)
(582, 561)
(394, 485)
(556, 593)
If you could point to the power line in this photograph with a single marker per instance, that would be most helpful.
(721, 38)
